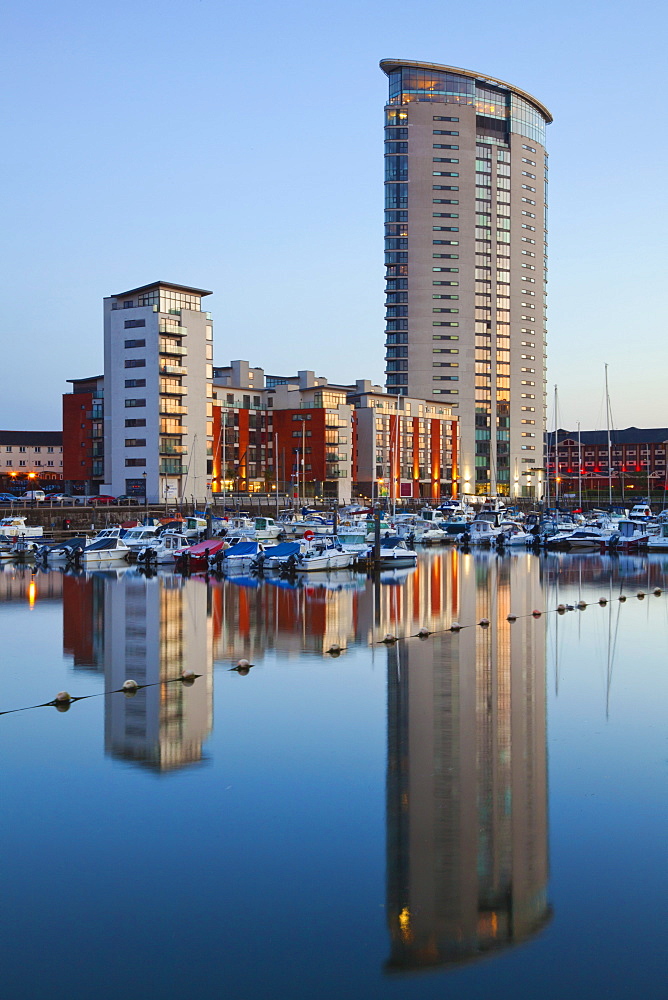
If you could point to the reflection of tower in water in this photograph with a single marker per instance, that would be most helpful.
(155, 629)
(467, 776)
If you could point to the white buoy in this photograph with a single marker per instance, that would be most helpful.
(622, 597)
(602, 601)
(130, 686)
(484, 623)
(334, 649)
(389, 639)
(244, 663)
(511, 618)
(63, 697)
(455, 627)
(188, 677)
(641, 595)
(657, 591)
(581, 605)
(561, 609)
(424, 633)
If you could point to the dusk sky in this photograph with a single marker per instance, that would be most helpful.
(241, 150)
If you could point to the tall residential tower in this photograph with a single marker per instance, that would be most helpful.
(465, 256)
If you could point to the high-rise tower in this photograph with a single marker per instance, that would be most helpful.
(465, 256)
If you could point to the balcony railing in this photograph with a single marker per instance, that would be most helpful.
(173, 449)
(173, 390)
(172, 348)
(173, 370)
(173, 329)
(167, 406)
(170, 467)
(178, 431)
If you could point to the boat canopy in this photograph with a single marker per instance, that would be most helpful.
(283, 550)
(102, 543)
(242, 549)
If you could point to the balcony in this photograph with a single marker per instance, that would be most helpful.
(172, 390)
(173, 449)
(173, 370)
(179, 430)
(173, 329)
(168, 406)
(172, 467)
(175, 349)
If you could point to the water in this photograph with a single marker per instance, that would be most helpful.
(472, 813)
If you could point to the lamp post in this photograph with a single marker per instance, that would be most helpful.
(144, 474)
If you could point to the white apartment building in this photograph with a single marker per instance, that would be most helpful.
(158, 367)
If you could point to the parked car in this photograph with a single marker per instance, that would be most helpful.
(61, 498)
(36, 496)
(8, 498)
(129, 500)
(102, 498)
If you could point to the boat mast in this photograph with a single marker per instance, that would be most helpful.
(607, 421)
(556, 453)
(579, 468)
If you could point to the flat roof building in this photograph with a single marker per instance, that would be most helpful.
(465, 258)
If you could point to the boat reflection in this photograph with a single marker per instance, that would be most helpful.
(467, 848)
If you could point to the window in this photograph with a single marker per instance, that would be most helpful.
(525, 173)
(22, 462)
(135, 363)
(135, 402)
(441, 118)
(135, 343)
(529, 148)
(135, 383)
(9, 462)
(444, 159)
(135, 461)
(136, 422)
(22, 449)
(131, 323)
(49, 451)
(444, 173)
(444, 145)
(135, 442)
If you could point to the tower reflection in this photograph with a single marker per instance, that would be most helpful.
(467, 855)
(154, 629)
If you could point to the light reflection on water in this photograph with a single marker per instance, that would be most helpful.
(460, 759)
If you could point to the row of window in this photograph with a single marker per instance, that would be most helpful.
(22, 463)
(37, 450)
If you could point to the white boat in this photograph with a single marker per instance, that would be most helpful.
(512, 535)
(353, 540)
(266, 529)
(324, 552)
(162, 548)
(394, 552)
(103, 551)
(60, 553)
(632, 535)
(15, 527)
(658, 539)
(238, 558)
(138, 538)
(480, 532)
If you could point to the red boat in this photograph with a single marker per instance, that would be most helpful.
(197, 556)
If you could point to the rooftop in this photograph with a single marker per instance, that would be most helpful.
(389, 65)
(163, 284)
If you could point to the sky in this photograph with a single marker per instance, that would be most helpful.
(241, 150)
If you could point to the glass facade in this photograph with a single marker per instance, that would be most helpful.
(411, 83)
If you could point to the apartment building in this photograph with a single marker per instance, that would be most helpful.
(31, 455)
(466, 261)
(158, 412)
(83, 434)
(636, 459)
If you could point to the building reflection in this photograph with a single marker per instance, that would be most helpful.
(467, 854)
(150, 630)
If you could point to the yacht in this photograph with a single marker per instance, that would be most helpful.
(15, 527)
(103, 551)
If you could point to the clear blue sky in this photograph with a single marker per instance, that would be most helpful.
(240, 149)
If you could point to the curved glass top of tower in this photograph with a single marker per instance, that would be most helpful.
(414, 81)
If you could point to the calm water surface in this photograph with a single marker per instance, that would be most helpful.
(472, 814)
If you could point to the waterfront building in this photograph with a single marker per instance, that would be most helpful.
(83, 434)
(158, 358)
(465, 258)
(307, 436)
(31, 457)
(635, 462)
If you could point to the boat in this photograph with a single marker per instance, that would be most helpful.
(480, 531)
(632, 535)
(60, 553)
(658, 540)
(104, 550)
(162, 548)
(14, 527)
(324, 552)
(393, 552)
(266, 529)
(197, 556)
(512, 535)
(238, 558)
(276, 557)
(138, 538)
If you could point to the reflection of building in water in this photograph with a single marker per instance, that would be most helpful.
(467, 775)
(83, 620)
(154, 629)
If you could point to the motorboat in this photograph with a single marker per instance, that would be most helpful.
(276, 557)
(198, 556)
(632, 535)
(14, 527)
(394, 552)
(17, 547)
(138, 538)
(104, 550)
(60, 553)
(162, 548)
(353, 540)
(237, 558)
(266, 529)
(658, 539)
(324, 552)
(512, 535)
(480, 531)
